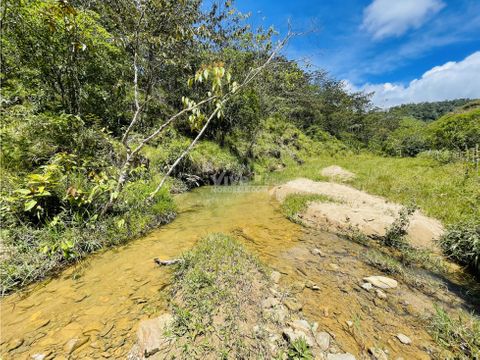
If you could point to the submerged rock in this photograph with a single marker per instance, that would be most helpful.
(150, 334)
(74, 343)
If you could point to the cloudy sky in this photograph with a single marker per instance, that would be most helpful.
(403, 50)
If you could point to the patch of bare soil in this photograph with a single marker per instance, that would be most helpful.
(338, 173)
(371, 215)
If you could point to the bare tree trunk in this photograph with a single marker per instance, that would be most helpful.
(187, 150)
(122, 179)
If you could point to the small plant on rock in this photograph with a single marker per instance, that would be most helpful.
(395, 235)
(299, 350)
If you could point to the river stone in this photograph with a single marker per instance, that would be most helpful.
(292, 335)
(346, 356)
(301, 325)
(382, 282)
(74, 343)
(38, 356)
(381, 294)
(378, 354)
(404, 339)
(275, 276)
(150, 334)
(293, 305)
(269, 302)
(323, 340)
(15, 344)
(367, 286)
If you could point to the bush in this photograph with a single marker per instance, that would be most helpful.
(461, 243)
(456, 131)
(408, 139)
(441, 156)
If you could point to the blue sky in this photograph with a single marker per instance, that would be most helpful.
(404, 50)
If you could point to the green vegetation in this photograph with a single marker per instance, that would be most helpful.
(298, 350)
(217, 301)
(461, 243)
(461, 335)
(395, 235)
(296, 204)
(441, 191)
(428, 111)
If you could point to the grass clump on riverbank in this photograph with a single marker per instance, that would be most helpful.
(296, 204)
(461, 334)
(216, 301)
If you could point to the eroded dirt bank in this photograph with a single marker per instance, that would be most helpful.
(350, 207)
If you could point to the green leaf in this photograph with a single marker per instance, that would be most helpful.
(29, 205)
(23, 191)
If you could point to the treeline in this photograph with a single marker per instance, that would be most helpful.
(428, 111)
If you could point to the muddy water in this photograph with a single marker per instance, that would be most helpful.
(101, 301)
(119, 286)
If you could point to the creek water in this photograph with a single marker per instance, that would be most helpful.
(100, 301)
(121, 286)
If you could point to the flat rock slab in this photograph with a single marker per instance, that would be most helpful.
(151, 334)
(381, 282)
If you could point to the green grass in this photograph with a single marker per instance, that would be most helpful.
(441, 191)
(296, 204)
(460, 335)
(216, 301)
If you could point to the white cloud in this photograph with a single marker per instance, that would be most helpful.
(453, 80)
(385, 18)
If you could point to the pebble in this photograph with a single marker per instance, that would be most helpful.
(381, 294)
(378, 354)
(275, 276)
(15, 344)
(317, 252)
(349, 323)
(39, 356)
(292, 335)
(346, 356)
(269, 302)
(334, 267)
(301, 325)
(404, 339)
(367, 286)
(75, 343)
(107, 328)
(323, 340)
(312, 286)
(293, 305)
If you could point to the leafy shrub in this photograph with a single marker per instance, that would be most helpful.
(461, 243)
(456, 131)
(408, 139)
(395, 235)
(441, 156)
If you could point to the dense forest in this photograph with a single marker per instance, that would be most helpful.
(101, 99)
